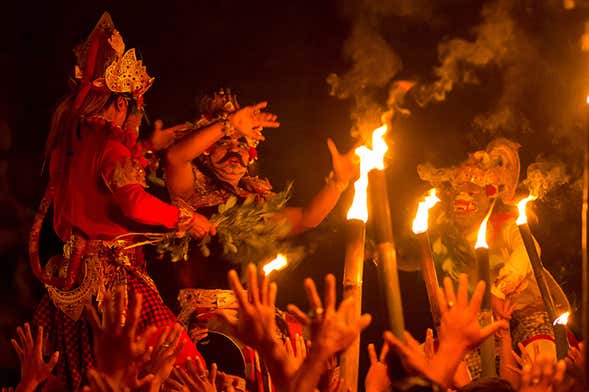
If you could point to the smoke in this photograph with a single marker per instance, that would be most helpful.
(544, 176)
(373, 61)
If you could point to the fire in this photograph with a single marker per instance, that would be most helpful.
(369, 160)
(522, 219)
(421, 218)
(482, 236)
(587, 99)
(563, 319)
(276, 264)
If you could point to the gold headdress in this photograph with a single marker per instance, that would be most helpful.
(497, 165)
(128, 75)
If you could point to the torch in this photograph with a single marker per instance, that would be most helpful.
(560, 337)
(354, 261)
(482, 259)
(420, 227)
(276, 264)
(387, 254)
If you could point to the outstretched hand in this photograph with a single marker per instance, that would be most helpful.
(250, 120)
(346, 166)
(33, 369)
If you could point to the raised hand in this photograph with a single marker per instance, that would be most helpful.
(459, 327)
(250, 120)
(118, 350)
(161, 138)
(346, 166)
(255, 324)
(298, 353)
(377, 378)
(542, 375)
(33, 369)
(167, 348)
(195, 378)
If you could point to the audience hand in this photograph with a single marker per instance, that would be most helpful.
(377, 378)
(118, 351)
(194, 379)
(34, 370)
(542, 375)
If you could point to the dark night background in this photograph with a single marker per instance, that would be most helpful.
(283, 52)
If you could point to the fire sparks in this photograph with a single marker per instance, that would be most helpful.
(522, 219)
(563, 319)
(276, 264)
(420, 223)
(369, 160)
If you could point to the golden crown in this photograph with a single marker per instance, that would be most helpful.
(128, 75)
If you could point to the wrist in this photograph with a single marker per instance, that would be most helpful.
(26, 386)
(445, 362)
(332, 180)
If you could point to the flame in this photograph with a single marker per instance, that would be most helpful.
(421, 218)
(563, 319)
(482, 236)
(369, 160)
(522, 219)
(587, 99)
(276, 264)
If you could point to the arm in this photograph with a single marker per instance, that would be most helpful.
(311, 215)
(125, 178)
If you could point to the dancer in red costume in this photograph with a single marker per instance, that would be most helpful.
(97, 189)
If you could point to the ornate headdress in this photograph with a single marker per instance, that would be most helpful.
(101, 64)
(497, 167)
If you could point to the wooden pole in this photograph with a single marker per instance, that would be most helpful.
(488, 351)
(353, 272)
(430, 277)
(387, 254)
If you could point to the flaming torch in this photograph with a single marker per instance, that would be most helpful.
(560, 336)
(355, 240)
(420, 226)
(387, 254)
(482, 258)
(276, 264)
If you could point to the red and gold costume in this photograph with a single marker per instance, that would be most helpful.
(96, 185)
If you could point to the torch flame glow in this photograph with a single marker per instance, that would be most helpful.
(563, 319)
(369, 160)
(587, 99)
(482, 236)
(521, 206)
(421, 218)
(276, 264)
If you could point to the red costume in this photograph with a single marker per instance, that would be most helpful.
(97, 189)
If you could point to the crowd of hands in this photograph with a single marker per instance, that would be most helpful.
(124, 361)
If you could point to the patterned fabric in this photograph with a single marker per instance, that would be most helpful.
(526, 327)
(73, 338)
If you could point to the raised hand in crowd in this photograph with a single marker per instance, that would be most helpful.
(459, 332)
(33, 369)
(576, 364)
(543, 375)
(377, 378)
(119, 352)
(333, 332)
(250, 120)
(297, 354)
(255, 324)
(195, 378)
(164, 354)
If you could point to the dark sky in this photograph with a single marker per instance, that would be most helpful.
(282, 52)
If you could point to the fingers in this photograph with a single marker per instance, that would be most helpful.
(462, 299)
(330, 294)
(384, 351)
(298, 314)
(158, 125)
(449, 291)
(332, 148)
(272, 292)
(133, 316)
(213, 373)
(252, 284)
(492, 328)
(372, 354)
(442, 303)
(312, 296)
(238, 289)
(260, 105)
(38, 347)
(477, 297)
